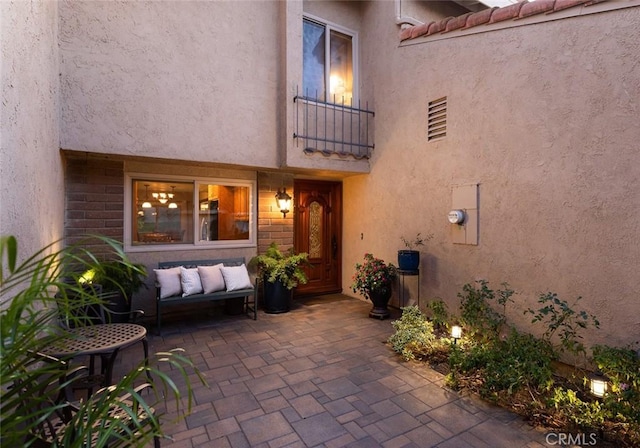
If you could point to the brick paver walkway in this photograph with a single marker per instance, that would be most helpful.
(321, 376)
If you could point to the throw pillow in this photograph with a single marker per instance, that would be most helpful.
(169, 281)
(190, 281)
(211, 278)
(236, 277)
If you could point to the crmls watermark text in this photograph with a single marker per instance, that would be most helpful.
(570, 439)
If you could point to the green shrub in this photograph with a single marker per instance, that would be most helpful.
(585, 414)
(516, 369)
(506, 366)
(563, 320)
(414, 337)
(439, 314)
(481, 321)
(622, 367)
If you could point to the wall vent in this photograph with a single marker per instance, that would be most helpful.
(437, 119)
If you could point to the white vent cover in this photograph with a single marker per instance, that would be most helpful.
(437, 119)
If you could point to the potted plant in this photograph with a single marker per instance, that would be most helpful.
(119, 279)
(280, 273)
(409, 258)
(28, 325)
(374, 279)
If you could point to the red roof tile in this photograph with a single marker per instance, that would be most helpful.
(507, 13)
(520, 10)
(566, 4)
(440, 26)
(537, 7)
(457, 22)
(419, 30)
(480, 18)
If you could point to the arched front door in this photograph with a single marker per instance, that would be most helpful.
(318, 231)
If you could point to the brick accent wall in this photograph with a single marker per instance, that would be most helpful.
(94, 201)
(94, 204)
(271, 225)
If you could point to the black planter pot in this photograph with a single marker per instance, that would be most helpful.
(408, 260)
(277, 298)
(380, 299)
(118, 307)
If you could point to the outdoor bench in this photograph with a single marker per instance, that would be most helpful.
(231, 282)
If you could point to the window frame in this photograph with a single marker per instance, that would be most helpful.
(197, 244)
(330, 26)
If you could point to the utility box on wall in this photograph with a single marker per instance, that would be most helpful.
(463, 216)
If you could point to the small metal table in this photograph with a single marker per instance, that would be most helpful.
(402, 273)
(105, 340)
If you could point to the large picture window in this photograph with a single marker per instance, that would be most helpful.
(333, 68)
(198, 212)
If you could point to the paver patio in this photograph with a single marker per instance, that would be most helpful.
(321, 375)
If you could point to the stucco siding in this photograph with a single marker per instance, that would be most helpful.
(544, 119)
(31, 179)
(192, 78)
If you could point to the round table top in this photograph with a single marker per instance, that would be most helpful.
(96, 339)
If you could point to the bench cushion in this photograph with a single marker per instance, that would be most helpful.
(169, 281)
(236, 277)
(211, 278)
(190, 280)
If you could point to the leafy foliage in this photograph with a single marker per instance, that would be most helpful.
(622, 367)
(116, 275)
(33, 294)
(562, 319)
(586, 414)
(507, 365)
(414, 337)
(419, 240)
(517, 369)
(284, 267)
(439, 313)
(479, 318)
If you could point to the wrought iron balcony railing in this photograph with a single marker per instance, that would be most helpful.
(331, 128)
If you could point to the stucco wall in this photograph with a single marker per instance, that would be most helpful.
(544, 118)
(31, 177)
(164, 78)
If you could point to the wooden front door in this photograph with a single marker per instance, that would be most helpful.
(318, 232)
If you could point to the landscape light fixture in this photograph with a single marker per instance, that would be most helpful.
(456, 333)
(598, 384)
(284, 201)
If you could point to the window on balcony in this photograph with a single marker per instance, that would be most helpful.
(208, 212)
(334, 68)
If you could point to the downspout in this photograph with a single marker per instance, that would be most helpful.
(402, 20)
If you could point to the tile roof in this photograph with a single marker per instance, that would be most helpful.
(515, 11)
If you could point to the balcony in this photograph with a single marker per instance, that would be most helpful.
(333, 129)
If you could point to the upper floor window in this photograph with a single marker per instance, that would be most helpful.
(211, 212)
(334, 67)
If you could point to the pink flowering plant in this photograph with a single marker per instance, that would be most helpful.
(373, 274)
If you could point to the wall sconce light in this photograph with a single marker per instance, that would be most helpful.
(284, 201)
(598, 384)
(456, 333)
(146, 203)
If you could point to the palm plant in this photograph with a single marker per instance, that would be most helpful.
(33, 294)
